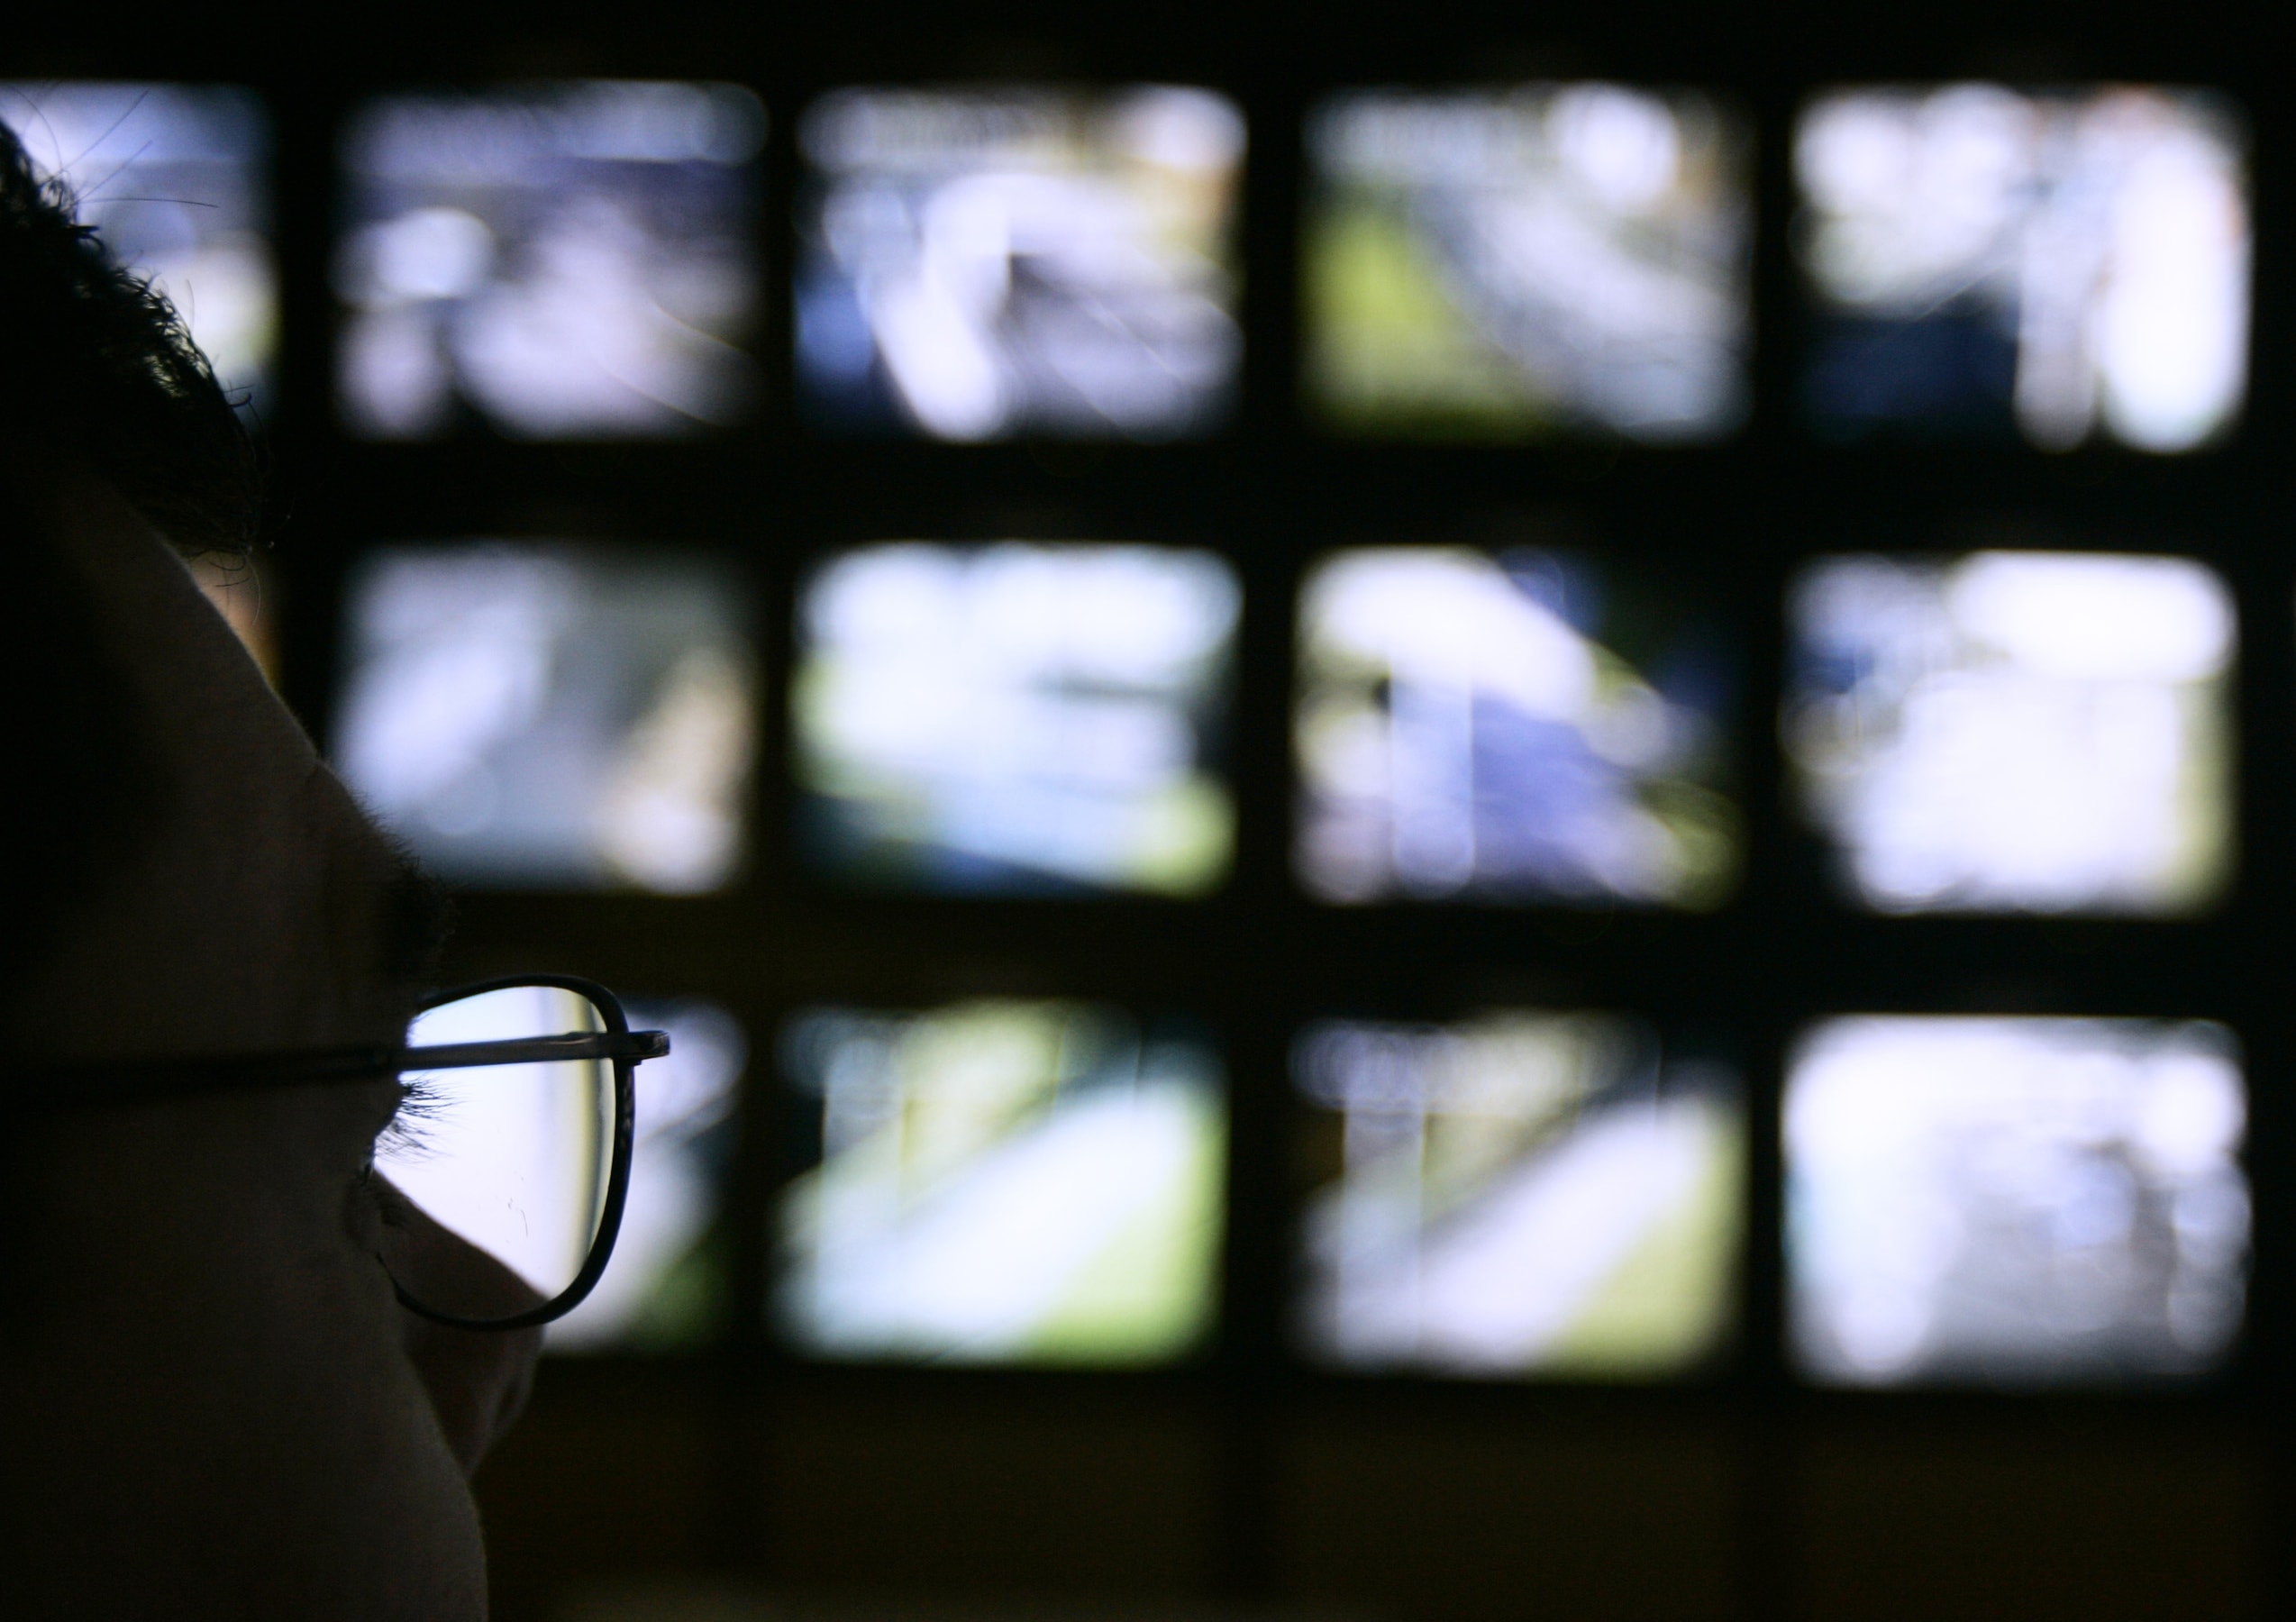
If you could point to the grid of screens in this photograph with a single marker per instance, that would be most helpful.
(563, 261)
(550, 715)
(2014, 1201)
(1017, 718)
(1522, 725)
(579, 258)
(2042, 731)
(1519, 1193)
(1554, 257)
(2059, 265)
(1019, 1182)
(984, 264)
(176, 177)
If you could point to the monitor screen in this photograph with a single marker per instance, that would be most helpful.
(571, 260)
(176, 179)
(989, 264)
(1016, 718)
(2062, 265)
(2004, 732)
(1517, 1194)
(665, 1288)
(1553, 258)
(1522, 725)
(1002, 1182)
(2014, 1201)
(549, 716)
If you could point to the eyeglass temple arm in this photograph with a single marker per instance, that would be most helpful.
(634, 1046)
(75, 1086)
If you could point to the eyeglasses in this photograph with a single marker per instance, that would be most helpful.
(512, 1134)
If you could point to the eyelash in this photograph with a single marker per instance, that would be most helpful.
(419, 1100)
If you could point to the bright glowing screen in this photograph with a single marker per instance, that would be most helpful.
(1507, 726)
(558, 262)
(2015, 1202)
(557, 716)
(2037, 731)
(1552, 257)
(1016, 1183)
(175, 178)
(664, 1290)
(1017, 717)
(1521, 1193)
(983, 265)
(2059, 265)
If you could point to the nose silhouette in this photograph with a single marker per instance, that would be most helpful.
(479, 1379)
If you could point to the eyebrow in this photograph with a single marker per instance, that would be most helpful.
(417, 916)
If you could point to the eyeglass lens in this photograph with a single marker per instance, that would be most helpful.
(513, 1159)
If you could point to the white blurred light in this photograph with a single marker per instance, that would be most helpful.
(1003, 1182)
(994, 717)
(565, 261)
(2103, 235)
(550, 716)
(1553, 256)
(2017, 730)
(1498, 1177)
(1456, 735)
(1023, 262)
(2017, 1200)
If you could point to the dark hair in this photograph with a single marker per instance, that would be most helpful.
(97, 374)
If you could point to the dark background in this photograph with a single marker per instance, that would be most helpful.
(1243, 1482)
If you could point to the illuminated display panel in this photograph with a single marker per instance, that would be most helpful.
(2061, 264)
(176, 179)
(987, 264)
(665, 1288)
(569, 260)
(1555, 257)
(2041, 732)
(1515, 725)
(1518, 1194)
(2014, 1201)
(1002, 1182)
(550, 715)
(1016, 718)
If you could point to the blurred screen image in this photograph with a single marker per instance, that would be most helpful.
(2014, 1201)
(2061, 265)
(1519, 726)
(1016, 718)
(1003, 1182)
(2019, 731)
(561, 261)
(665, 1288)
(989, 264)
(1555, 257)
(177, 178)
(530, 715)
(1518, 1194)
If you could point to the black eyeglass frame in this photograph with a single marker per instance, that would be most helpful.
(90, 1086)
